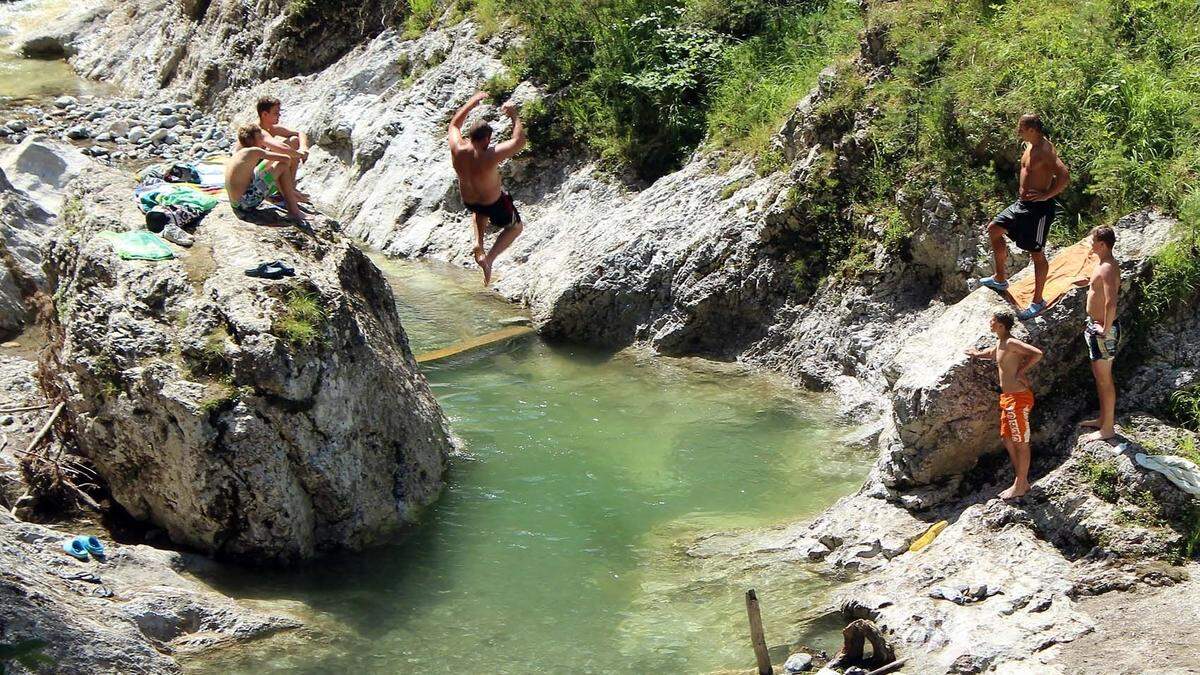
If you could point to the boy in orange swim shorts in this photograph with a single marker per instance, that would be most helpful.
(1013, 361)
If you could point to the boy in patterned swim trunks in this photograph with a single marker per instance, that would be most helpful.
(1103, 331)
(254, 173)
(1013, 360)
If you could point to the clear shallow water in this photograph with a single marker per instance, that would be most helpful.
(560, 546)
(30, 80)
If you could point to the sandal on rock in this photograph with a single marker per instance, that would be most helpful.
(76, 549)
(1031, 311)
(990, 282)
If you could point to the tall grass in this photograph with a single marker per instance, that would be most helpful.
(766, 75)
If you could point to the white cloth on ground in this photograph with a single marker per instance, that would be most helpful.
(1182, 472)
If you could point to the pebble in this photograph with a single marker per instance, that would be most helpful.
(159, 135)
(7, 421)
(165, 109)
(136, 134)
(15, 125)
(79, 133)
(168, 122)
(104, 137)
(65, 101)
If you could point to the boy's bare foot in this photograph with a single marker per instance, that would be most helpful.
(1017, 491)
(487, 271)
(1100, 436)
(1090, 424)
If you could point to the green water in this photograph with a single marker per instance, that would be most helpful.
(32, 80)
(560, 546)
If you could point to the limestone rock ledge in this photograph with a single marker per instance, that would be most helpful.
(267, 421)
(138, 615)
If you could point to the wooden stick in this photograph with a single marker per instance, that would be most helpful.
(889, 667)
(45, 428)
(25, 409)
(756, 634)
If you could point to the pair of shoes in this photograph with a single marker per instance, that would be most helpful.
(1031, 311)
(81, 546)
(177, 235)
(271, 270)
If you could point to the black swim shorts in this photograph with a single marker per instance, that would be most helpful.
(502, 213)
(1103, 347)
(1028, 223)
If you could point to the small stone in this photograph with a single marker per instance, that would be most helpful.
(7, 421)
(159, 136)
(104, 137)
(168, 122)
(171, 138)
(798, 663)
(119, 127)
(1040, 603)
(165, 109)
(15, 125)
(79, 133)
(66, 102)
(136, 134)
(95, 115)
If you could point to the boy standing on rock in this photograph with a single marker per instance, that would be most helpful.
(254, 173)
(282, 140)
(477, 165)
(1103, 331)
(1027, 221)
(1013, 360)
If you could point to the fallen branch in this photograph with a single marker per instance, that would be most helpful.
(83, 495)
(45, 428)
(25, 409)
(889, 667)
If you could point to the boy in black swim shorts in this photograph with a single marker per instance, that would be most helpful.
(1027, 222)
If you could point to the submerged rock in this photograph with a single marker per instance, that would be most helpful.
(267, 421)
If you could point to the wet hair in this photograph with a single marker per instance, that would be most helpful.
(266, 104)
(247, 135)
(1033, 121)
(1106, 235)
(1006, 318)
(480, 131)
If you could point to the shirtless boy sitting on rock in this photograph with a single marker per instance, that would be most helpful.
(255, 173)
(1013, 359)
(282, 140)
(477, 164)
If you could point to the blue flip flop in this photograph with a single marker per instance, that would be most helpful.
(990, 282)
(76, 549)
(93, 546)
(1031, 311)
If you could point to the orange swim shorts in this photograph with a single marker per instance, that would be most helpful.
(1014, 415)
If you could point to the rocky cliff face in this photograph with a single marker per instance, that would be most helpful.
(29, 202)
(269, 421)
(207, 47)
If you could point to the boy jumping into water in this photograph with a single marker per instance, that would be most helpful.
(1027, 221)
(1013, 359)
(254, 173)
(477, 167)
(281, 140)
(1103, 331)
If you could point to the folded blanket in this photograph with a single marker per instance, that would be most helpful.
(172, 194)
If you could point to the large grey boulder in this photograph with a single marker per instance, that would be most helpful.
(943, 404)
(269, 421)
(135, 617)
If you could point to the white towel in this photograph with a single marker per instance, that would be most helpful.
(1182, 472)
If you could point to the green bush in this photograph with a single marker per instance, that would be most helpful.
(302, 319)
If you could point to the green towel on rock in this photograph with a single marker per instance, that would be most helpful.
(138, 245)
